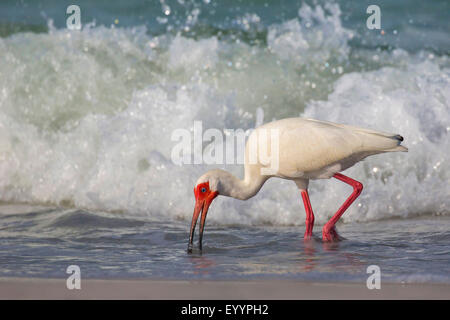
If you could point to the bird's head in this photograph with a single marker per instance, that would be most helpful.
(205, 191)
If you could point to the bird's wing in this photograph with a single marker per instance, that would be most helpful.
(311, 145)
(372, 140)
(318, 145)
(306, 145)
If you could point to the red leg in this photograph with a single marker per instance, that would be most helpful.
(329, 232)
(309, 215)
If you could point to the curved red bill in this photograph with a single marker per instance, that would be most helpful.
(197, 209)
(206, 204)
(203, 206)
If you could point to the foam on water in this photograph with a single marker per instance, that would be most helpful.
(413, 101)
(86, 117)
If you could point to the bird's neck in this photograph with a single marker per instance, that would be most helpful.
(242, 189)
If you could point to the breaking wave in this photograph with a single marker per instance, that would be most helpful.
(86, 117)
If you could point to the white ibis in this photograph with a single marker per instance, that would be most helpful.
(307, 149)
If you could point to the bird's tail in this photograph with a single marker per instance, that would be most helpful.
(373, 140)
(382, 142)
(399, 147)
(379, 141)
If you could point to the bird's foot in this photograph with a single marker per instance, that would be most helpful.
(189, 248)
(329, 234)
(307, 237)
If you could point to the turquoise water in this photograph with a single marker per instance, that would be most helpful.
(86, 119)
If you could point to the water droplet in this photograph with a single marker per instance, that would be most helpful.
(166, 9)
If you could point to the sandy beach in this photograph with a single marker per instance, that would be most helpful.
(20, 288)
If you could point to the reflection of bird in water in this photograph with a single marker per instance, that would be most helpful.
(339, 259)
(309, 251)
(304, 149)
(202, 264)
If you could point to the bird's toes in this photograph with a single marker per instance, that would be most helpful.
(330, 234)
(307, 237)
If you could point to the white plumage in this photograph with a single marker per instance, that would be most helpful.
(306, 149)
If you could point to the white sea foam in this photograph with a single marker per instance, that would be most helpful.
(413, 102)
(86, 118)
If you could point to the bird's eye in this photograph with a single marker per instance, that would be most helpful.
(203, 189)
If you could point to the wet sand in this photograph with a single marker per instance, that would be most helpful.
(26, 288)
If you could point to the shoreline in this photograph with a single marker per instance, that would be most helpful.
(148, 289)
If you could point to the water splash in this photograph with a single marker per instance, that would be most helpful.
(86, 117)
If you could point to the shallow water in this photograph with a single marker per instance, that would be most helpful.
(43, 243)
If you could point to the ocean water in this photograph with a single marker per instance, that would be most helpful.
(86, 123)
